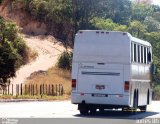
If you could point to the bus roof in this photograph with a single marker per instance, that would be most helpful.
(137, 40)
(134, 39)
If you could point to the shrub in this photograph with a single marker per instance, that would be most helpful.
(65, 61)
(156, 95)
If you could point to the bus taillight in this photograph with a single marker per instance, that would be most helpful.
(126, 86)
(73, 84)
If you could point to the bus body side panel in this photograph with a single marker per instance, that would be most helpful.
(140, 80)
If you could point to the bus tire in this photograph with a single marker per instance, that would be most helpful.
(133, 110)
(83, 109)
(143, 108)
(148, 97)
(83, 112)
(92, 111)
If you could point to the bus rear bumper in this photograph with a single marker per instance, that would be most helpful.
(110, 99)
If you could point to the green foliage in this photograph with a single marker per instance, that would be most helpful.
(57, 14)
(10, 31)
(152, 24)
(137, 29)
(156, 92)
(154, 38)
(141, 11)
(65, 61)
(12, 50)
(38, 9)
(118, 10)
(8, 59)
(66, 17)
(107, 24)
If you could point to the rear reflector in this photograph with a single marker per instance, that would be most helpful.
(74, 84)
(126, 86)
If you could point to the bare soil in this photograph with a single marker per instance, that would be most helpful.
(48, 50)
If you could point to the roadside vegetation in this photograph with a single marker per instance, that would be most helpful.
(53, 76)
(13, 51)
(65, 17)
(28, 97)
(65, 61)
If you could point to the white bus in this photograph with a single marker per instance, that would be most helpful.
(110, 70)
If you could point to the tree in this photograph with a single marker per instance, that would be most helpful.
(117, 10)
(141, 11)
(137, 29)
(8, 58)
(151, 24)
(12, 50)
(107, 24)
(143, 1)
(154, 39)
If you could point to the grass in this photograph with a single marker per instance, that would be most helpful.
(53, 76)
(43, 97)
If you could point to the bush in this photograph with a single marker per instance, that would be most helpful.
(156, 95)
(65, 61)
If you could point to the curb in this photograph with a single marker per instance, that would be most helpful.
(21, 100)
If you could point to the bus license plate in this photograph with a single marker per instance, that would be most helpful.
(100, 95)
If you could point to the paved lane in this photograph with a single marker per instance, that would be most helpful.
(64, 109)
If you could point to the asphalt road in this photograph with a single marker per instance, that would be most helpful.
(64, 109)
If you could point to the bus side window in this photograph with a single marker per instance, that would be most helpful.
(139, 53)
(132, 52)
(142, 54)
(145, 55)
(135, 53)
(149, 56)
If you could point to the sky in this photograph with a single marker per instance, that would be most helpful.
(157, 2)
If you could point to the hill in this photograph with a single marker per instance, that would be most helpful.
(33, 33)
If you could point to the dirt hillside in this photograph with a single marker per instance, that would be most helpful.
(47, 47)
(48, 50)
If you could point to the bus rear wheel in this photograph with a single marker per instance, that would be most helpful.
(133, 110)
(143, 108)
(83, 112)
(83, 109)
(92, 111)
